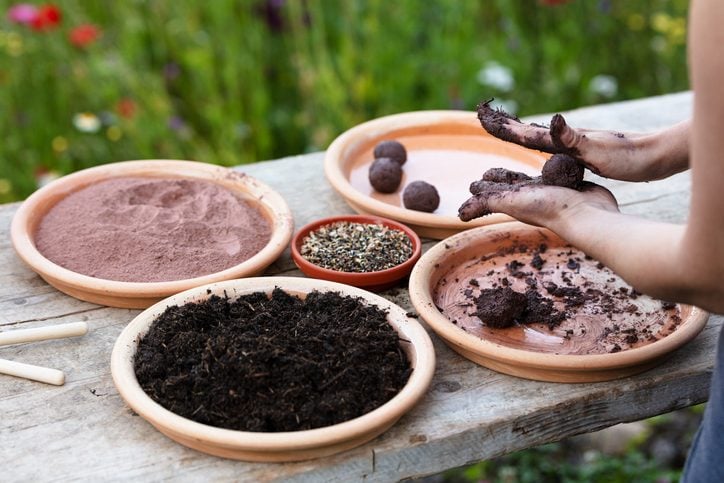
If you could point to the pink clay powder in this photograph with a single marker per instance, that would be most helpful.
(151, 230)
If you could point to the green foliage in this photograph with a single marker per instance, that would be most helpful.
(233, 82)
(638, 458)
(552, 463)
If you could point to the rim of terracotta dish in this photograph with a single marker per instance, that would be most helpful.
(357, 278)
(273, 205)
(350, 141)
(124, 377)
(421, 297)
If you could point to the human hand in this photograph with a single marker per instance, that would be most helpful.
(624, 156)
(530, 201)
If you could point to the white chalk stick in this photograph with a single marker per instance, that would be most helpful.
(34, 373)
(43, 333)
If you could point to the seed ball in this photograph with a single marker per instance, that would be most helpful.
(391, 149)
(385, 175)
(500, 307)
(562, 170)
(421, 196)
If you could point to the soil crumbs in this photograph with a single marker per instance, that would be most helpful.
(272, 364)
(558, 299)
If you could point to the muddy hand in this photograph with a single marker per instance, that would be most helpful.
(533, 202)
(498, 175)
(624, 156)
(558, 138)
(509, 128)
(494, 180)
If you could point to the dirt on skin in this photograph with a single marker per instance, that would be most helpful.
(560, 170)
(499, 123)
(564, 168)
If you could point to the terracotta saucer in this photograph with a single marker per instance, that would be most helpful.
(448, 149)
(375, 281)
(608, 330)
(143, 294)
(282, 446)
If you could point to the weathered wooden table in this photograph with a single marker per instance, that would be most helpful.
(84, 430)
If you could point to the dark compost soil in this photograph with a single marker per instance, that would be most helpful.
(502, 307)
(272, 364)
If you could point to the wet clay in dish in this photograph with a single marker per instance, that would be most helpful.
(603, 313)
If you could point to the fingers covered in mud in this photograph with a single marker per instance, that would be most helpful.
(494, 184)
(502, 175)
(560, 170)
(558, 138)
(507, 127)
(478, 205)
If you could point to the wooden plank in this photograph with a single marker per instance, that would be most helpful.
(470, 412)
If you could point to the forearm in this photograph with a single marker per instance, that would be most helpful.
(651, 256)
(669, 151)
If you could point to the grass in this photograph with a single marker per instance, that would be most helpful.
(655, 455)
(234, 82)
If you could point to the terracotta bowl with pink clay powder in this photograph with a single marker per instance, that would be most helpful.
(129, 234)
(519, 300)
(446, 149)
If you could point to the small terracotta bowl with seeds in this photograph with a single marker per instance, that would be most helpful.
(321, 256)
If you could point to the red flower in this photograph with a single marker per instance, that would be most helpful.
(84, 35)
(48, 17)
(126, 108)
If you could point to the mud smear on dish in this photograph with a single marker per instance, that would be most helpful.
(593, 311)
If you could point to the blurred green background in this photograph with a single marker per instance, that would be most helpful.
(234, 82)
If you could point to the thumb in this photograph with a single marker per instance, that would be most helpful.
(564, 138)
(485, 203)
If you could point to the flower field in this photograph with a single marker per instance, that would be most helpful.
(232, 82)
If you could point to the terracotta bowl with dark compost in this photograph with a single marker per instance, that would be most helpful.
(414, 344)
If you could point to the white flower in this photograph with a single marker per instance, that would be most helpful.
(44, 176)
(604, 85)
(86, 122)
(496, 75)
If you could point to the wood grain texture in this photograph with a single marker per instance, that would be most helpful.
(470, 413)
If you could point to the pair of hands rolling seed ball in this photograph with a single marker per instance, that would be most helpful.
(385, 176)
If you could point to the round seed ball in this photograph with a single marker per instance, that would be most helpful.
(421, 196)
(562, 170)
(499, 307)
(391, 149)
(385, 175)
